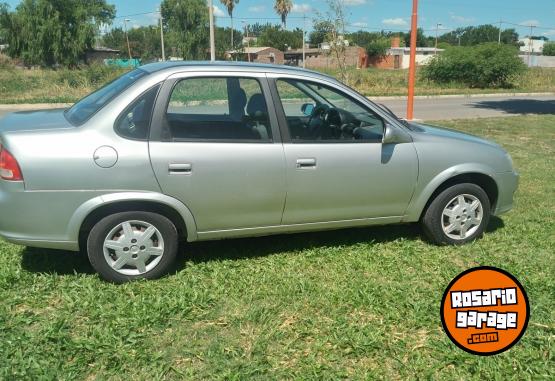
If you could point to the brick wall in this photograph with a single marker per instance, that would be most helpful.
(265, 56)
(326, 60)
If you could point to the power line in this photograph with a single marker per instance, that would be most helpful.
(360, 27)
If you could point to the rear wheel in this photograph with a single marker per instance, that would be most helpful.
(457, 215)
(132, 245)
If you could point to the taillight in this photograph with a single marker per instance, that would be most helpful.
(9, 168)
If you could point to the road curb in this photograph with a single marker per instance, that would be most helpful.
(461, 96)
(33, 106)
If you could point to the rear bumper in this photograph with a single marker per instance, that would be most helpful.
(507, 183)
(39, 218)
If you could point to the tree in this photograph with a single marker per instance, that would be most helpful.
(320, 31)
(474, 35)
(335, 18)
(282, 8)
(222, 42)
(278, 38)
(421, 39)
(484, 65)
(48, 32)
(375, 43)
(549, 49)
(3, 14)
(256, 29)
(144, 41)
(230, 5)
(186, 24)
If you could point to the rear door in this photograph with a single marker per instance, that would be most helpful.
(215, 145)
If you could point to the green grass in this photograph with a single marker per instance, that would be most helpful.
(67, 86)
(52, 86)
(380, 82)
(352, 304)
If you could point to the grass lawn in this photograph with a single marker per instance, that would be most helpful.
(68, 86)
(380, 82)
(354, 304)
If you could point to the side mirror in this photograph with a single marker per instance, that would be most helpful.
(307, 109)
(394, 135)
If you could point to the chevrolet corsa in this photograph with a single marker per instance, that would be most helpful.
(203, 151)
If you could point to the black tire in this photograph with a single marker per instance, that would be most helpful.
(433, 219)
(100, 231)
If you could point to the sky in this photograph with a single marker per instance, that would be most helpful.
(372, 15)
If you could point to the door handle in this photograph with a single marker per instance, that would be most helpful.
(180, 169)
(306, 163)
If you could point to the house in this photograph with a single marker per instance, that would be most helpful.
(100, 54)
(398, 57)
(263, 54)
(535, 46)
(322, 57)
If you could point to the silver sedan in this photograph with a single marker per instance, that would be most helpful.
(202, 151)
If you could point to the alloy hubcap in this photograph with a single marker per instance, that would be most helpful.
(462, 217)
(133, 247)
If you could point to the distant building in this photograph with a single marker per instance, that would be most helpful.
(99, 54)
(322, 58)
(398, 57)
(249, 40)
(264, 54)
(536, 45)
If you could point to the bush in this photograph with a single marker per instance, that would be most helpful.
(483, 66)
(6, 62)
(549, 49)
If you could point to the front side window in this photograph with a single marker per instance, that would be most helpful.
(81, 111)
(218, 108)
(315, 112)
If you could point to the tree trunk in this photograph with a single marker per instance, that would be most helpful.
(232, 42)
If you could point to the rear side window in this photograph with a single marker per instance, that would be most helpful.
(83, 110)
(218, 108)
(134, 121)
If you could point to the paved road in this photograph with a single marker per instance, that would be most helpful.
(475, 107)
(465, 107)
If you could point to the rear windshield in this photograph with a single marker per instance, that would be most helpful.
(81, 111)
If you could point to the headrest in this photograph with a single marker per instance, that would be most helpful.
(257, 106)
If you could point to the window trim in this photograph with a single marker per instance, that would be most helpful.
(125, 110)
(282, 117)
(164, 96)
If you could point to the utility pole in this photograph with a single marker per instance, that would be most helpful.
(248, 40)
(499, 39)
(304, 40)
(212, 42)
(412, 67)
(530, 45)
(162, 35)
(437, 36)
(125, 21)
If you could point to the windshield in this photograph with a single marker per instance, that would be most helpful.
(80, 112)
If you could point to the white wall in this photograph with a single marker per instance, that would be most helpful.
(421, 59)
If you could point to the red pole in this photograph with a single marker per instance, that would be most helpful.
(412, 67)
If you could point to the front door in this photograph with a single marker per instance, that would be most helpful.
(337, 167)
(216, 147)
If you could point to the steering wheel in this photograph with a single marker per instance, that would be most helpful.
(317, 112)
(323, 121)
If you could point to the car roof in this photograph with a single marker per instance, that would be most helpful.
(176, 66)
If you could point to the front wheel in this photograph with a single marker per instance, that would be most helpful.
(132, 245)
(458, 215)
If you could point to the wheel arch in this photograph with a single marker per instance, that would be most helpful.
(94, 210)
(480, 176)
